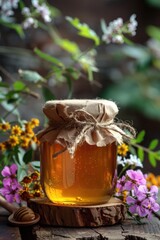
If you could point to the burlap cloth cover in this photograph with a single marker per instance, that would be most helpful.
(71, 122)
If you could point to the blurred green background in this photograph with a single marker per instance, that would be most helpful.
(128, 74)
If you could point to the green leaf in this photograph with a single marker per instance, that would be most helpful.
(153, 144)
(139, 138)
(152, 159)
(28, 156)
(73, 72)
(84, 30)
(4, 85)
(157, 154)
(90, 74)
(55, 12)
(69, 46)
(48, 58)
(140, 153)
(127, 41)
(18, 85)
(35, 165)
(103, 26)
(154, 32)
(47, 94)
(21, 173)
(31, 76)
(70, 86)
(132, 150)
(17, 27)
(139, 53)
(10, 108)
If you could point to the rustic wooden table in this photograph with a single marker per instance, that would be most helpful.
(128, 230)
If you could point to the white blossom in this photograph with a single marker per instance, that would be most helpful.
(132, 25)
(26, 11)
(116, 24)
(35, 3)
(9, 4)
(116, 29)
(113, 32)
(117, 39)
(29, 22)
(44, 12)
(133, 160)
(120, 161)
(6, 9)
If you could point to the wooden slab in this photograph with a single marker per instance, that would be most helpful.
(126, 230)
(78, 216)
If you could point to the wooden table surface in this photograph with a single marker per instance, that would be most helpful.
(128, 230)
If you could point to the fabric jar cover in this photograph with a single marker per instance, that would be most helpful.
(72, 122)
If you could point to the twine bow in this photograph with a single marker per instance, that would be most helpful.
(92, 123)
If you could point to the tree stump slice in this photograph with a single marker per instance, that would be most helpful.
(107, 214)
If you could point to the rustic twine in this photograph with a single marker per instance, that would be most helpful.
(71, 127)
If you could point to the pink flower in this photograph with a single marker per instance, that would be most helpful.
(143, 202)
(120, 185)
(11, 193)
(134, 178)
(140, 201)
(9, 171)
(142, 192)
(9, 174)
(137, 207)
(152, 206)
(11, 186)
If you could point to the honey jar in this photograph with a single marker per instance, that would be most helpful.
(78, 151)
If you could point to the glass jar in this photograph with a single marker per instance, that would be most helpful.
(87, 178)
(78, 151)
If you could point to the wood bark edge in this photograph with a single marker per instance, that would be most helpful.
(78, 216)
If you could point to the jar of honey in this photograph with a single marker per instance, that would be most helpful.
(78, 151)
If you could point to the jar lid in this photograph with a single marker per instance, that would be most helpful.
(72, 122)
(102, 109)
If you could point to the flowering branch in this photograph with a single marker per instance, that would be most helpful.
(15, 191)
(133, 188)
(140, 201)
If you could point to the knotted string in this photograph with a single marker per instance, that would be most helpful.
(73, 128)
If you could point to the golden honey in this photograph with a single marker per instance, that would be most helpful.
(88, 177)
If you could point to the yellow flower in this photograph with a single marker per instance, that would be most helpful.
(2, 147)
(5, 126)
(16, 130)
(34, 139)
(123, 149)
(158, 180)
(29, 132)
(152, 180)
(25, 141)
(125, 194)
(13, 140)
(34, 122)
(28, 125)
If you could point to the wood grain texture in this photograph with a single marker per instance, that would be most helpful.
(127, 230)
(73, 216)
